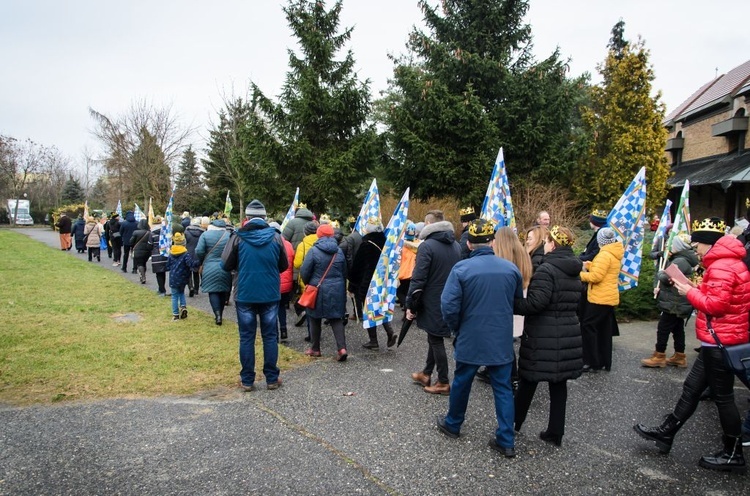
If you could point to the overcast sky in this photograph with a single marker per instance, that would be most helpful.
(60, 57)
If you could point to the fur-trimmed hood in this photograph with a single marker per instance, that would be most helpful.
(438, 227)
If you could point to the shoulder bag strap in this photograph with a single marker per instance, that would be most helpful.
(713, 333)
(215, 245)
(327, 269)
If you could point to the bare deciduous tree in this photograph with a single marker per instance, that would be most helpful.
(143, 147)
(21, 163)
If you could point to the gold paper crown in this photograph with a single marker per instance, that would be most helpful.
(481, 228)
(560, 237)
(714, 224)
(600, 213)
(351, 219)
(467, 211)
(335, 224)
(747, 202)
(374, 220)
(325, 218)
(301, 205)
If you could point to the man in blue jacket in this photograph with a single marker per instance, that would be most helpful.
(257, 254)
(477, 305)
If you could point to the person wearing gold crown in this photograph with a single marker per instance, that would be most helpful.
(294, 231)
(477, 306)
(722, 301)
(467, 215)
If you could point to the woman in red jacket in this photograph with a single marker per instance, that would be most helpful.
(722, 301)
(287, 285)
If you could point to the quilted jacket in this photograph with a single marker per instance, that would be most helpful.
(602, 275)
(724, 294)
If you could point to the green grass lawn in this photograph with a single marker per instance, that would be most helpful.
(60, 338)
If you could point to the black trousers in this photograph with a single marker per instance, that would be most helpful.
(674, 325)
(116, 249)
(597, 331)
(558, 399)
(436, 357)
(161, 281)
(709, 370)
(125, 254)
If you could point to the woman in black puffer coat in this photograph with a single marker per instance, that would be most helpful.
(535, 237)
(551, 346)
(363, 267)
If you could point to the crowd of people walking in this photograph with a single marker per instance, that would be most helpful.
(486, 288)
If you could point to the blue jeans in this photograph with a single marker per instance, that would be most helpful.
(463, 378)
(178, 300)
(247, 320)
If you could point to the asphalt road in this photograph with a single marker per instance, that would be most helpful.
(362, 427)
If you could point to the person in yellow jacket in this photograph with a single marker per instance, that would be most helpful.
(598, 323)
(408, 259)
(303, 248)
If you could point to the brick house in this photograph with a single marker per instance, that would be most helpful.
(706, 145)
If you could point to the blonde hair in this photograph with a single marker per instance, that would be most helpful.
(541, 233)
(508, 246)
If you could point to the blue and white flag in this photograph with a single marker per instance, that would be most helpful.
(292, 209)
(660, 236)
(138, 213)
(370, 208)
(381, 295)
(165, 235)
(626, 219)
(497, 205)
(119, 208)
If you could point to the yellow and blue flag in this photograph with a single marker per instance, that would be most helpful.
(138, 213)
(626, 219)
(227, 205)
(165, 236)
(381, 295)
(370, 208)
(292, 209)
(661, 232)
(497, 205)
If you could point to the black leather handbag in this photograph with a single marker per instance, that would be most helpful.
(737, 357)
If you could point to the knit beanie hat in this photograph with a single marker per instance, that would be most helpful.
(606, 236)
(481, 231)
(325, 231)
(467, 214)
(411, 232)
(373, 225)
(681, 242)
(708, 231)
(310, 228)
(255, 209)
(418, 228)
(178, 239)
(599, 217)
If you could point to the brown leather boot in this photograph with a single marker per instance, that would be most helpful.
(677, 360)
(656, 360)
(438, 388)
(420, 378)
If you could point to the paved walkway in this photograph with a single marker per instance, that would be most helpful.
(362, 427)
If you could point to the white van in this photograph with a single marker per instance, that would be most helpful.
(24, 215)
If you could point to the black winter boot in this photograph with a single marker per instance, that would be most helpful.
(662, 435)
(217, 318)
(730, 459)
(373, 343)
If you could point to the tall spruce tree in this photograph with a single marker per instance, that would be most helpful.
(316, 136)
(624, 125)
(189, 191)
(469, 86)
(227, 161)
(72, 192)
